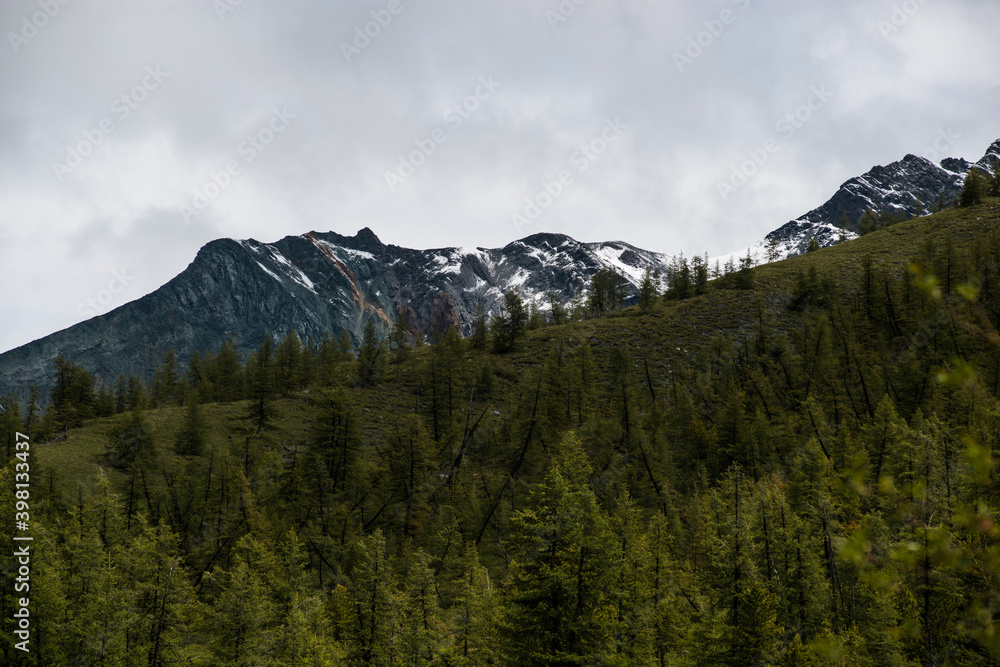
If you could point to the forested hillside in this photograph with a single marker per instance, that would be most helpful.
(791, 464)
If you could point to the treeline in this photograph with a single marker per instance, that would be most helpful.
(819, 491)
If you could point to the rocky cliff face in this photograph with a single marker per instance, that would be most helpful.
(315, 283)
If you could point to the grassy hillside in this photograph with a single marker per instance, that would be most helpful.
(798, 473)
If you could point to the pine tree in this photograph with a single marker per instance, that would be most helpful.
(31, 415)
(72, 399)
(334, 435)
(10, 423)
(557, 309)
(535, 319)
(260, 367)
(191, 438)
(370, 356)
(679, 284)
(813, 245)
(993, 180)
(843, 224)
(289, 369)
(245, 614)
(131, 441)
(345, 348)
(560, 602)
(744, 277)
(227, 373)
(774, 249)
(375, 636)
(166, 381)
(510, 326)
(868, 222)
(400, 339)
(478, 340)
(973, 189)
(647, 291)
(607, 291)
(476, 615)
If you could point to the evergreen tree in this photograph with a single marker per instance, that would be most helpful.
(260, 368)
(191, 438)
(679, 278)
(557, 309)
(166, 381)
(973, 189)
(334, 435)
(648, 290)
(844, 225)
(561, 604)
(744, 277)
(370, 356)
(376, 632)
(290, 372)
(227, 373)
(478, 339)
(535, 319)
(400, 339)
(699, 273)
(31, 415)
(131, 441)
(245, 614)
(510, 326)
(443, 387)
(607, 292)
(993, 180)
(813, 245)
(72, 399)
(10, 423)
(774, 249)
(868, 222)
(345, 349)
(476, 615)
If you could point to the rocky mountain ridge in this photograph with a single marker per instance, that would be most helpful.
(319, 283)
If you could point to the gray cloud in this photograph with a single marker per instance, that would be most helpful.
(899, 73)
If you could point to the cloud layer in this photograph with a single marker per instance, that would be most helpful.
(133, 133)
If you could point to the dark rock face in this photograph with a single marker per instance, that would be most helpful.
(314, 283)
(909, 187)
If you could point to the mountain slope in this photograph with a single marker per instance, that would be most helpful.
(909, 188)
(316, 283)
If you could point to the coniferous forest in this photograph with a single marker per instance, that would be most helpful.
(790, 464)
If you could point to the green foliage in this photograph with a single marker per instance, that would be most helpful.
(560, 610)
(648, 290)
(130, 441)
(370, 356)
(400, 339)
(191, 438)
(167, 388)
(480, 331)
(868, 222)
(606, 294)
(974, 188)
(72, 399)
(260, 380)
(993, 181)
(720, 480)
(510, 325)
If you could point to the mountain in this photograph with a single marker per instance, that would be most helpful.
(325, 282)
(909, 188)
(316, 283)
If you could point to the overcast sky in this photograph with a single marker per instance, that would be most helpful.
(132, 133)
